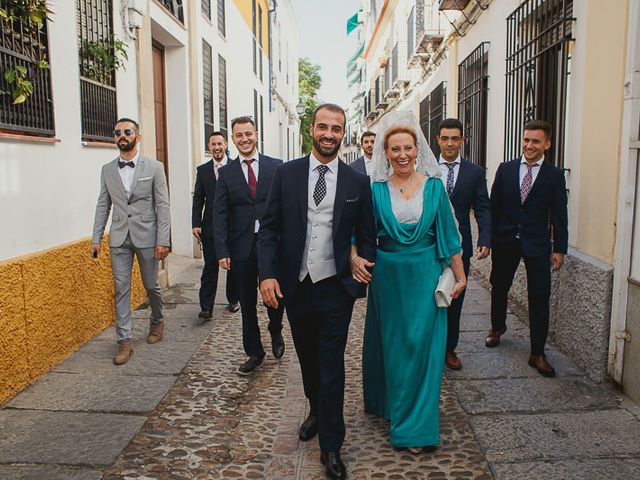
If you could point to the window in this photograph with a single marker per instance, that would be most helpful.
(261, 124)
(537, 72)
(97, 77)
(473, 85)
(260, 39)
(432, 111)
(253, 31)
(175, 8)
(411, 36)
(207, 89)
(24, 46)
(255, 110)
(394, 64)
(206, 8)
(221, 18)
(222, 93)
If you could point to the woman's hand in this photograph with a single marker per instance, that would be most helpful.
(458, 288)
(359, 269)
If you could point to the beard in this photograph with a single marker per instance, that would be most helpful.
(125, 146)
(326, 152)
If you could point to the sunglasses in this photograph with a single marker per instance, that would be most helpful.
(126, 131)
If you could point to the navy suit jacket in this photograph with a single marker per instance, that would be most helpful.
(470, 191)
(203, 196)
(541, 221)
(235, 212)
(358, 164)
(283, 229)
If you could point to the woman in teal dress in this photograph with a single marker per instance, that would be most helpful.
(405, 332)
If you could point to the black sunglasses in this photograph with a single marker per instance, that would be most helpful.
(127, 132)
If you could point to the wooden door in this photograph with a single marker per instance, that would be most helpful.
(160, 107)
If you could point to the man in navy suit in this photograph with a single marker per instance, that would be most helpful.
(241, 195)
(528, 221)
(202, 226)
(363, 163)
(466, 186)
(316, 203)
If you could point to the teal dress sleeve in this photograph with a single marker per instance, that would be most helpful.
(447, 234)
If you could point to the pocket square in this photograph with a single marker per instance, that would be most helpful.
(352, 200)
(144, 178)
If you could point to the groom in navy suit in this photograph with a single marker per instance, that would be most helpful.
(316, 203)
(466, 186)
(241, 195)
(529, 221)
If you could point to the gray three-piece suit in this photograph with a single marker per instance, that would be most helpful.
(139, 222)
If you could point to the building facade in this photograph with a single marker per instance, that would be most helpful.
(183, 69)
(497, 64)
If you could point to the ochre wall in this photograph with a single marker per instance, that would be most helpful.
(245, 8)
(51, 303)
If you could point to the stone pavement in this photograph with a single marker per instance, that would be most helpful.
(178, 410)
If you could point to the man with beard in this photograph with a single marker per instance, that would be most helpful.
(202, 226)
(136, 187)
(316, 203)
(363, 163)
(241, 195)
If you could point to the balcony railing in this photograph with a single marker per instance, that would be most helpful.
(429, 30)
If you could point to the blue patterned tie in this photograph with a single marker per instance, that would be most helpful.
(450, 166)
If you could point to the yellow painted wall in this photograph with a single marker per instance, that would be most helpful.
(602, 103)
(51, 303)
(245, 8)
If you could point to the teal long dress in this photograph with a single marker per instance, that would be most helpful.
(405, 333)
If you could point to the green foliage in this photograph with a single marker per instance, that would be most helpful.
(309, 83)
(101, 59)
(22, 87)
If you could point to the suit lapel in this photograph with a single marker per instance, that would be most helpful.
(263, 172)
(341, 195)
(239, 174)
(116, 179)
(137, 173)
(303, 187)
(514, 177)
(462, 171)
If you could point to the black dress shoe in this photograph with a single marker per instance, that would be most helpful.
(206, 314)
(249, 366)
(277, 345)
(233, 307)
(308, 429)
(334, 467)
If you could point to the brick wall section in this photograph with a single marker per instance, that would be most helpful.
(51, 303)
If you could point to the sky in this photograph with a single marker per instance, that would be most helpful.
(323, 37)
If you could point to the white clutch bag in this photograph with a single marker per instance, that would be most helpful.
(445, 285)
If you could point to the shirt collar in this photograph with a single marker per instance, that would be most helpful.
(539, 162)
(134, 159)
(442, 161)
(255, 158)
(314, 162)
(222, 162)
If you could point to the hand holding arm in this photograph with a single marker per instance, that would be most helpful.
(458, 272)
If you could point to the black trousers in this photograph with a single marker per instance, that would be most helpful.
(246, 279)
(319, 315)
(209, 278)
(504, 263)
(454, 311)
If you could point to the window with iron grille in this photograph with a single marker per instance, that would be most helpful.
(206, 8)
(207, 89)
(22, 48)
(255, 110)
(394, 63)
(221, 18)
(539, 34)
(433, 109)
(473, 85)
(411, 36)
(253, 40)
(260, 41)
(175, 8)
(261, 124)
(222, 93)
(97, 73)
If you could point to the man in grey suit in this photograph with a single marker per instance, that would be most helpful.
(363, 163)
(136, 187)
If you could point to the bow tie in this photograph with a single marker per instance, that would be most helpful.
(122, 164)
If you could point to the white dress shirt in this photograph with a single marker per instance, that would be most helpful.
(218, 165)
(318, 260)
(534, 171)
(445, 170)
(255, 166)
(127, 173)
(368, 165)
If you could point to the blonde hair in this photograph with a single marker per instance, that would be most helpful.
(400, 129)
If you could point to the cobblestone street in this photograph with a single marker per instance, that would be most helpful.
(499, 418)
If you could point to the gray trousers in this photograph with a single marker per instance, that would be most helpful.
(121, 266)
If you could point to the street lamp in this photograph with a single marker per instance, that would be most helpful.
(300, 108)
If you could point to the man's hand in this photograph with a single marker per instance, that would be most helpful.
(483, 252)
(161, 252)
(557, 260)
(95, 250)
(225, 263)
(359, 271)
(270, 292)
(196, 233)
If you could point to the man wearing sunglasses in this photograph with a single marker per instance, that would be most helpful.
(136, 187)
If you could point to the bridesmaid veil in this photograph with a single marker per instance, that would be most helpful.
(426, 162)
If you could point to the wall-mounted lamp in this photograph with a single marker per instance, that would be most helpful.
(300, 108)
(136, 9)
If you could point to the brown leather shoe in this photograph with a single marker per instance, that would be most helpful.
(156, 332)
(493, 338)
(452, 361)
(539, 362)
(125, 350)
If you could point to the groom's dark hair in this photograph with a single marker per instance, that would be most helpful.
(451, 123)
(332, 107)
